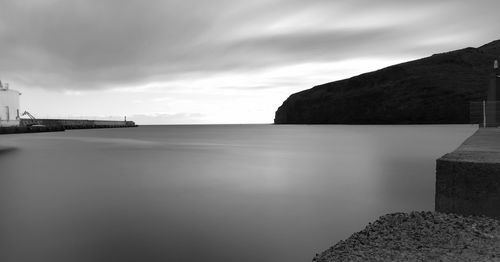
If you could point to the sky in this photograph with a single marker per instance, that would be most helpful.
(214, 61)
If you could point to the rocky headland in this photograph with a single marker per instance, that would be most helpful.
(432, 90)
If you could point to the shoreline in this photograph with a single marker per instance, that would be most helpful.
(420, 236)
(465, 226)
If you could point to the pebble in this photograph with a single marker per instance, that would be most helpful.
(420, 236)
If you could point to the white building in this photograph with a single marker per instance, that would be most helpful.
(9, 106)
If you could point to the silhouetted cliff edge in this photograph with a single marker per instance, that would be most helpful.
(432, 90)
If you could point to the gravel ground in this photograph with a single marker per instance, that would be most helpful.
(420, 236)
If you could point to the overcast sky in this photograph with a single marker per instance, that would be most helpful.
(214, 61)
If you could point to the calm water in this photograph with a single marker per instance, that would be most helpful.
(209, 193)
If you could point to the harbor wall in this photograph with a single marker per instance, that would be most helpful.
(55, 125)
(78, 123)
(468, 179)
(32, 129)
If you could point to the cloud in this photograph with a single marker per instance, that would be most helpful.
(90, 44)
(180, 118)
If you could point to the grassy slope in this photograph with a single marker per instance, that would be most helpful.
(431, 90)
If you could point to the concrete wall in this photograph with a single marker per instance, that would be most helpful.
(468, 179)
(9, 107)
(78, 123)
(25, 129)
(468, 188)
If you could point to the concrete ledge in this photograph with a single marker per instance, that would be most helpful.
(78, 123)
(55, 125)
(25, 129)
(468, 179)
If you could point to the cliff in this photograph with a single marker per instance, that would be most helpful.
(431, 90)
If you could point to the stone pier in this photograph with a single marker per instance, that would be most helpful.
(468, 179)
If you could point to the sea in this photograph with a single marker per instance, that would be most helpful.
(238, 193)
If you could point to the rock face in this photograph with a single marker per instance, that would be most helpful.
(420, 236)
(432, 90)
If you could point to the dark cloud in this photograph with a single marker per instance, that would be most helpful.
(89, 44)
(94, 41)
(317, 45)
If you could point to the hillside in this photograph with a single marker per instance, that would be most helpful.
(431, 90)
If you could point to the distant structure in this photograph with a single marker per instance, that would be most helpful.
(493, 91)
(492, 104)
(9, 106)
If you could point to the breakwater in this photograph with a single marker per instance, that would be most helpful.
(468, 179)
(78, 123)
(57, 125)
(29, 129)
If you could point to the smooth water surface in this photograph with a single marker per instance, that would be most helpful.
(209, 193)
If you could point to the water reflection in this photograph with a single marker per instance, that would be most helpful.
(6, 150)
(214, 193)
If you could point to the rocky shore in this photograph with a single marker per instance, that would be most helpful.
(420, 236)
